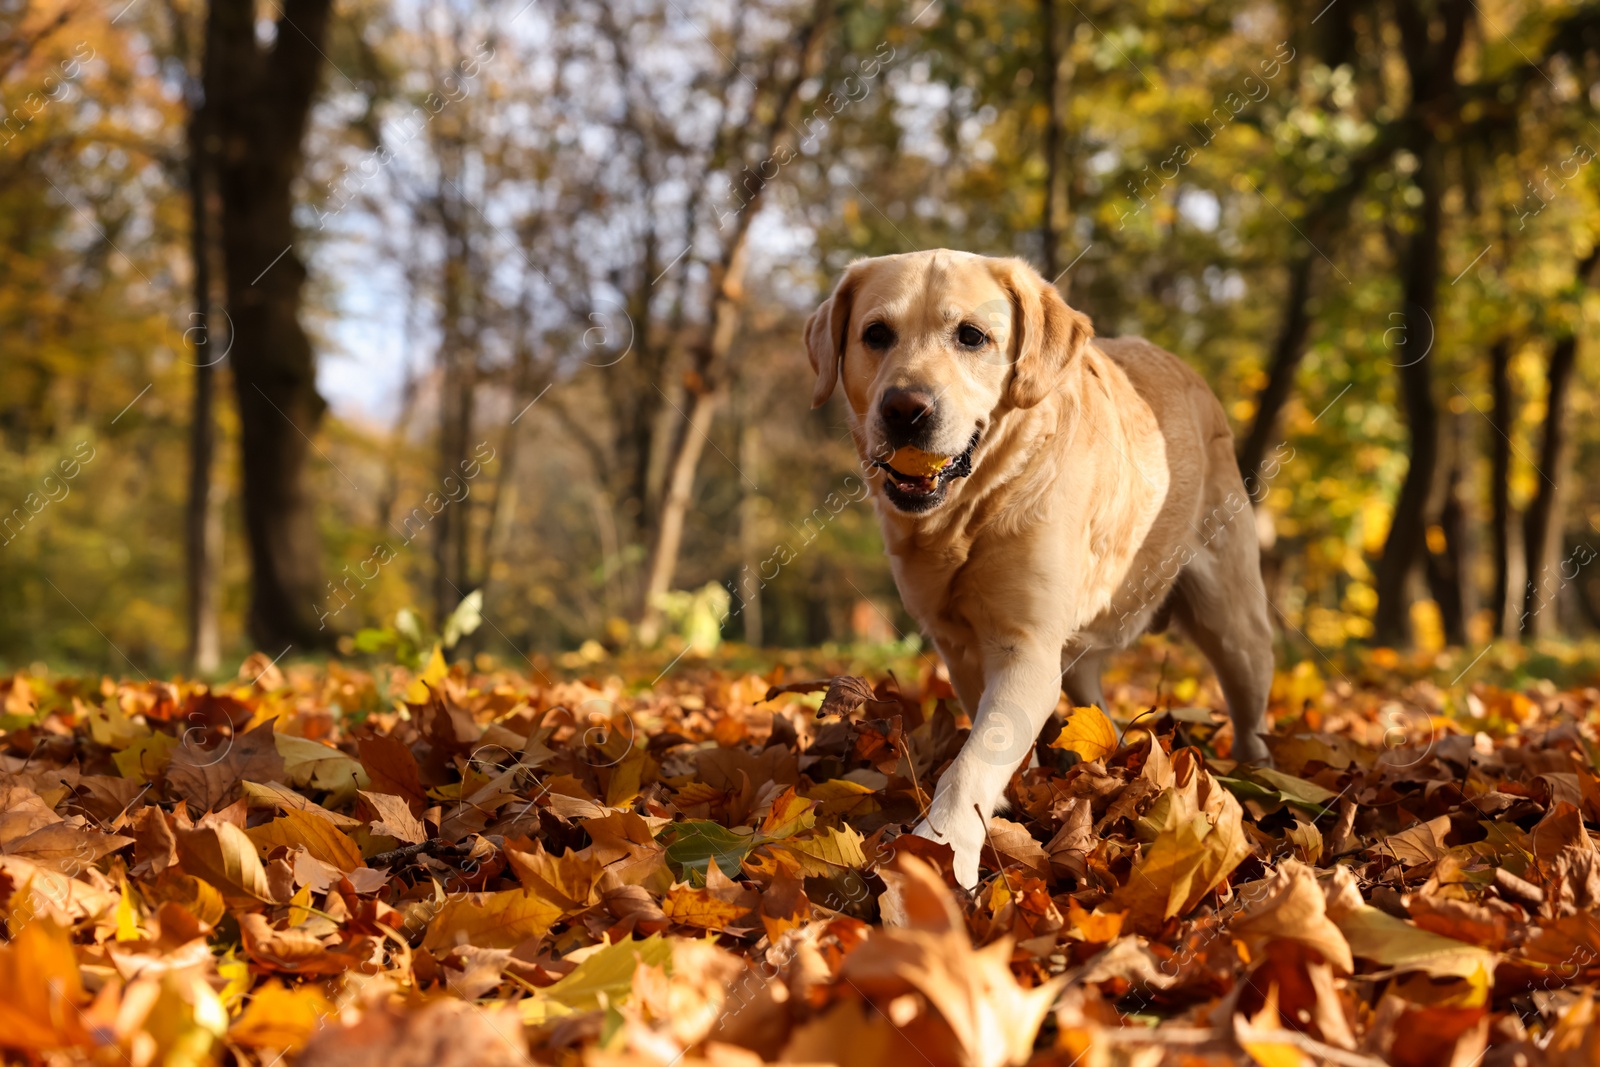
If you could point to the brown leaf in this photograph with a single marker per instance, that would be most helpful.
(569, 880)
(1419, 844)
(66, 847)
(1290, 906)
(992, 1018)
(438, 1033)
(784, 906)
(296, 951)
(393, 770)
(154, 847)
(209, 778)
(846, 693)
(394, 818)
(1200, 843)
(1015, 848)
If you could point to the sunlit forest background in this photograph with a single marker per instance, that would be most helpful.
(320, 319)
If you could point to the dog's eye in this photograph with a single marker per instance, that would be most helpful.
(877, 336)
(971, 337)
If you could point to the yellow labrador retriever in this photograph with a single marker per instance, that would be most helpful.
(1045, 498)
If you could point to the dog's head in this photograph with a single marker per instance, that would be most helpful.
(932, 348)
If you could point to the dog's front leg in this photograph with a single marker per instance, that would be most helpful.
(1021, 687)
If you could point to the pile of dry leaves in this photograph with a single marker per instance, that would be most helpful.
(332, 868)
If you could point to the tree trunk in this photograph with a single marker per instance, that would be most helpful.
(1502, 419)
(663, 561)
(202, 525)
(503, 506)
(747, 590)
(1430, 41)
(1542, 539)
(711, 351)
(458, 365)
(262, 100)
(1403, 548)
(1450, 570)
(1049, 70)
(1287, 351)
(1541, 525)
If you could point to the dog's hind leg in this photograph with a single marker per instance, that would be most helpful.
(1080, 677)
(1221, 605)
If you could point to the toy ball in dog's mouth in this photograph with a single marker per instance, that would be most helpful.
(913, 471)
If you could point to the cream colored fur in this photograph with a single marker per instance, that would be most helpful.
(1104, 496)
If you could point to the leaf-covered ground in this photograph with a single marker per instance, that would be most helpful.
(626, 864)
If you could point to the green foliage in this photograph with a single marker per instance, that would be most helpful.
(411, 644)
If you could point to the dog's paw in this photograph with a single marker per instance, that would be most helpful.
(1250, 748)
(965, 838)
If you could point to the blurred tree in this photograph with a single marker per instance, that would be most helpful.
(260, 98)
(203, 524)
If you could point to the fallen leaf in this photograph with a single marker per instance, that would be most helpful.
(224, 857)
(209, 777)
(992, 1019)
(492, 920)
(443, 1032)
(318, 836)
(280, 1018)
(393, 818)
(1088, 732)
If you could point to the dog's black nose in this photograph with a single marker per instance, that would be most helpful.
(905, 413)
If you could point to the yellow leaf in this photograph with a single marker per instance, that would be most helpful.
(1185, 862)
(841, 796)
(146, 757)
(917, 463)
(224, 856)
(1390, 942)
(627, 776)
(1270, 1053)
(568, 880)
(318, 836)
(1088, 732)
(200, 899)
(110, 726)
(791, 814)
(300, 905)
(127, 915)
(235, 973)
(491, 920)
(604, 977)
(432, 675)
(702, 908)
(319, 766)
(40, 993)
(280, 1018)
(825, 851)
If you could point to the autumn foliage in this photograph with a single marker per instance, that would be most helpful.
(336, 866)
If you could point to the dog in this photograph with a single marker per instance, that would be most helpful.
(1045, 498)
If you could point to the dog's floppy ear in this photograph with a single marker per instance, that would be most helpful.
(1046, 334)
(825, 334)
